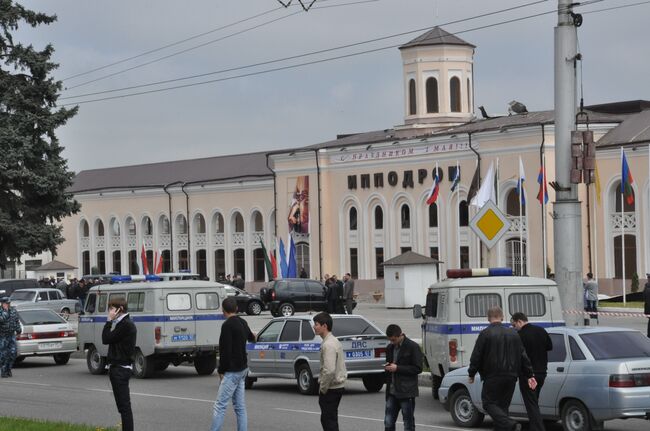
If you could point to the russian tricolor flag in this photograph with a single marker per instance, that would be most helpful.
(435, 188)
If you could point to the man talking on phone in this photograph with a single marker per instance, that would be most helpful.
(120, 334)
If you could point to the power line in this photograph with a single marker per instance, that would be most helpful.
(192, 48)
(293, 57)
(616, 7)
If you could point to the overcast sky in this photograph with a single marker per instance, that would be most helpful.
(310, 104)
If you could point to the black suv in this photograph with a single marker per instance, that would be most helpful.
(285, 297)
(8, 286)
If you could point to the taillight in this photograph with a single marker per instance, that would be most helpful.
(157, 334)
(629, 380)
(43, 335)
(380, 352)
(24, 336)
(273, 295)
(453, 350)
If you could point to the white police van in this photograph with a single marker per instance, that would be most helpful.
(177, 321)
(456, 312)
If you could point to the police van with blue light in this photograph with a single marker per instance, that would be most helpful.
(455, 312)
(288, 348)
(177, 321)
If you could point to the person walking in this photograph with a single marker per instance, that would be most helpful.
(332, 374)
(9, 327)
(120, 334)
(348, 292)
(330, 293)
(591, 298)
(339, 291)
(537, 344)
(233, 367)
(646, 300)
(239, 282)
(499, 357)
(403, 364)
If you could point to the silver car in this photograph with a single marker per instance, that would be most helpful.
(52, 299)
(45, 333)
(594, 375)
(288, 348)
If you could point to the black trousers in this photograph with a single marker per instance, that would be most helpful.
(649, 327)
(496, 396)
(329, 409)
(119, 377)
(531, 401)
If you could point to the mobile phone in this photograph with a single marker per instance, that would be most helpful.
(386, 364)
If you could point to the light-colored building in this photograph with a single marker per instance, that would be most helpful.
(356, 201)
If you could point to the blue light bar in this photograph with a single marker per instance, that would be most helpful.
(127, 278)
(479, 272)
(505, 272)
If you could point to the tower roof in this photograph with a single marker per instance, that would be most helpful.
(436, 36)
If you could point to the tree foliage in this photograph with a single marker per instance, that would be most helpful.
(33, 175)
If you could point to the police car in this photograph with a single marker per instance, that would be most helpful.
(177, 321)
(288, 348)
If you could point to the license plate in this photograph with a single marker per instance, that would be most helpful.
(358, 354)
(184, 337)
(49, 346)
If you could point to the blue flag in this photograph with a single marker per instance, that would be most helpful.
(283, 260)
(292, 272)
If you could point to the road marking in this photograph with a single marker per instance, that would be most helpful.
(27, 383)
(142, 394)
(369, 419)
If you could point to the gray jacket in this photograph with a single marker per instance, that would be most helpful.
(348, 289)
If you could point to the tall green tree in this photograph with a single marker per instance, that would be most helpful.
(33, 175)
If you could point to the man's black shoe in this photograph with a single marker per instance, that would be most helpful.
(9, 374)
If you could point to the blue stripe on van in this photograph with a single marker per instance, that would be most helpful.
(302, 347)
(158, 318)
(473, 328)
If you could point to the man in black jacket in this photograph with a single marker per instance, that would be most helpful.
(120, 334)
(500, 358)
(537, 344)
(403, 364)
(233, 366)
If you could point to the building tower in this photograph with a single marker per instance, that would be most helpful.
(438, 80)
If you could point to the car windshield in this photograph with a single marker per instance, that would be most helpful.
(617, 345)
(353, 326)
(39, 317)
(22, 295)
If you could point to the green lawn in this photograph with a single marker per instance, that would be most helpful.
(14, 424)
(629, 304)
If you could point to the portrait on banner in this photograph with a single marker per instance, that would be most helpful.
(298, 217)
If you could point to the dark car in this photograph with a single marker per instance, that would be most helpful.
(8, 286)
(285, 297)
(248, 303)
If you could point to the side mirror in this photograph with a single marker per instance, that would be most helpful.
(417, 311)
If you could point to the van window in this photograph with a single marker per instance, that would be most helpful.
(207, 301)
(291, 331)
(270, 334)
(431, 309)
(558, 353)
(90, 303)
(531, 304)
(576, 353)
(178, 302)
(307, 331)
(135, 301)
(102, 302)
(477, 304)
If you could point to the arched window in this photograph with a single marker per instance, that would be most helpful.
(163, 225)
(85, 230)
(516, 256)
(258, 265)
(130, 226)
(454, 94)
(379, 218)
(463, 214)
(239, 261)
(199, 223)
(218, 224)
(258, 222)
(115, 227)
(100, 229)
(201, 263)
(220, 264)
(433, 215)
(469, 93)
(302, 257)
(629, 207)
(183, 264)
(512, 204)
(181, 225)
(405, 216)
(412, 98)
(353, 218)
(85, 259)
(147, 226)
(101, 261)
(117, 261)
(239, 223)
(134, 268)
(432, 95)
(630, 256)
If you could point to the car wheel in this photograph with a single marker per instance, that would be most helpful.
(373, 382)
(435, 385)
(307, 384)
(205, 364)
(18, 360)
(143, 366)
(254, 308)
(463, 411)
(96, 363)
(65, 313)
(61, 358)
(576, 417)
(286, 309)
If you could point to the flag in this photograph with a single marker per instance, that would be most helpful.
(626, 180)
(456, 180)
(267, 261)
(473, 187)
(542, 194)
(283, 260)
(145, 265)
(597, 183)
(435, 188)
(274, 264)
(521, 192)
(158, 263)
(292, 265)
(486, 192)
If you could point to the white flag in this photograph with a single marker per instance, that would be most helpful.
(486, 192)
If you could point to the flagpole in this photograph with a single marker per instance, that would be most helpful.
(623, 225)
(544, 245)
(458, 218)
(596, 236)
(521, 223)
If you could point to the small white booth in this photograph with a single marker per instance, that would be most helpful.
(407, 278)
(58, 270)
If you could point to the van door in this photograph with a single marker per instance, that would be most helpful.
(179, 328)
(85, 326)
(98, 323)
(472, 309)
(209, 318)
(534, 302)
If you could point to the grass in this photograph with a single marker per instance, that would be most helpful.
(629, 304)
(13, 424)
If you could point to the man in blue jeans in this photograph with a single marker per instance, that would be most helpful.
(233, 366)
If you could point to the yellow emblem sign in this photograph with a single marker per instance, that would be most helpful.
(490, 224)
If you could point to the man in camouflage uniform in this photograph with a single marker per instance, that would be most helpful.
(9, 327)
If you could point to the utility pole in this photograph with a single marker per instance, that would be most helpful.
(567, 217)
